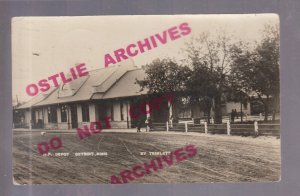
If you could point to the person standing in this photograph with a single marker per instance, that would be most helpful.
(236, 114)
(139, 125)
(232, 115)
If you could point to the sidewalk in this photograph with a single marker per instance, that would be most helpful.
(133, 130)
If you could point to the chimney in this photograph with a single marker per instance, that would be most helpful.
(127, 64)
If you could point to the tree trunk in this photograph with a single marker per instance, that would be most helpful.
(208, 110)
(275, 106)
(218, 110)
(208, 117)
(266, 112)
(241, 111)
(266, 109)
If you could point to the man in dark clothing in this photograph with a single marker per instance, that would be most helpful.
(236, 114)
(139, 125)
(232, 115)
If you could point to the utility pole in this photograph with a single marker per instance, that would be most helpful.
(17, 100)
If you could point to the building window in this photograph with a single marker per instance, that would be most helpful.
(85, 112)
(63, 112)
(52, 114)
(121, 110)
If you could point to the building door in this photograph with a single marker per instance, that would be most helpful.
(74, 120)
(33, 118)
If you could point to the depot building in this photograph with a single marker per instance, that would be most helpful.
(103, 92)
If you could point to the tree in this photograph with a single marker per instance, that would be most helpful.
(201, 87)
(164, 76)
(258, 70)
(208, 57)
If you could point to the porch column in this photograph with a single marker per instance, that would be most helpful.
(79, 113)
(128, 117)
(58, 115)
(170, 106)
(36, 114)
(148, 109)
(29, 114)
(45, 115)
(69, 117)
(92, 112)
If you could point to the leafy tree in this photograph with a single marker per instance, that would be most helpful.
(164, 76)
(201, 87)
(209, 59)
(258, 70)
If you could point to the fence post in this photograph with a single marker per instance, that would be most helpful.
(185, 126)
(205, 128)
(256, 127)
(167, 126)
(228, 127)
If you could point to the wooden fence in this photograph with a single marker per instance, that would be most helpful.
(254, 129)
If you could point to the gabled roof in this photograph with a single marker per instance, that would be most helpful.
(106, 83)
(83, 92)
(82, 88)
(40, 97)
(126, 86)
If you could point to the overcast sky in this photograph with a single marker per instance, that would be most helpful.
(43, 46)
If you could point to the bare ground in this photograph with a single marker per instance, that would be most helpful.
(220, 158)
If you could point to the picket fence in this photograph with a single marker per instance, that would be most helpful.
(255, 129)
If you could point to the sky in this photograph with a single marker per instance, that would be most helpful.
(43, 46)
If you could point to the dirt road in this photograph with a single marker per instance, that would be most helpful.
(220, 158)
